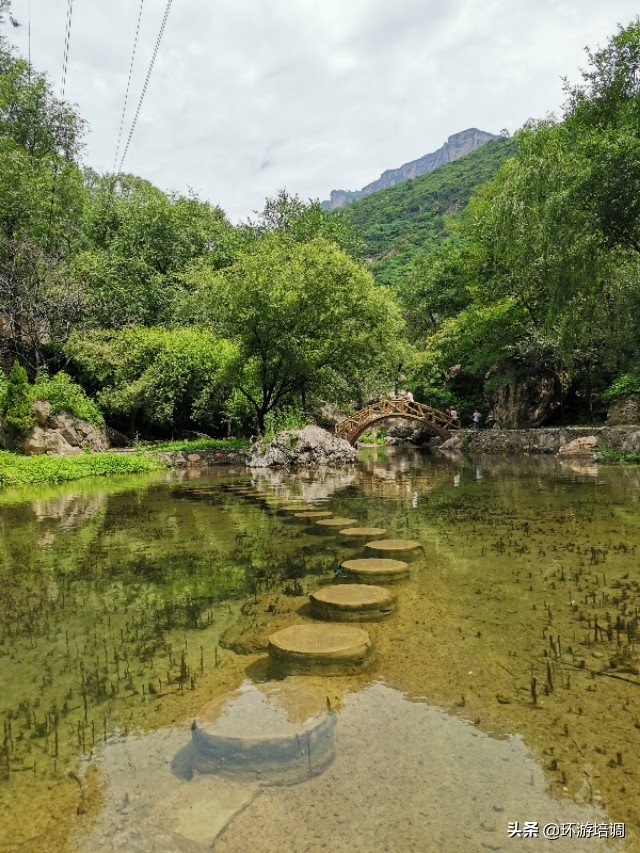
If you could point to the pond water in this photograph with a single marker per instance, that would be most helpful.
(506, 687)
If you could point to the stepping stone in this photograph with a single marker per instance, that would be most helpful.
(278, 733)
(403, 547)
(319, 649)
(374, 570)
(313, 514)
(352, 602)
(366, 532)
(336, 522)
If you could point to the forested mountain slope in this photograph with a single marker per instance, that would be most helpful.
(396, 223)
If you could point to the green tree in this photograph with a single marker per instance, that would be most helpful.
(302, 221)
(308, 320)
(603, 113)
(156, 378)
(139, 241)
(41, 194)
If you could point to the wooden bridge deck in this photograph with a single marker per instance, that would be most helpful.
(395, 407)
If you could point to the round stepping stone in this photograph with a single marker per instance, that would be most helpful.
(352, 602)
(375, 570)
(278, 733)
(402, 547)
(336, 522)
(319, 649)
(364, 532)
(313, 514)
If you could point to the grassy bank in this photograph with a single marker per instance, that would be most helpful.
(16, 470)
(203, 444)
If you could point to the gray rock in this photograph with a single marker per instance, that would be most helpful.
(522, 395)
(42, 410)
(61, 435)
(584, 446)
(624, 410)
(308, 447)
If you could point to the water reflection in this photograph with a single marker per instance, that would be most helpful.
(406, 777)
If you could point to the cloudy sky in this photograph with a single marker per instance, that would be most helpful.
(250, 96)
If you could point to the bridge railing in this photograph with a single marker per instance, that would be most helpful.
(395, 406)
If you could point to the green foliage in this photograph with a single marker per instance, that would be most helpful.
(4, 387)
(139, 241)
(609, 456)
(288, 418)
(628, 383)
(307, 319)
(374, 436)
(66, 395)
(166, 378)
(18, 470)
(303, 221)
(201, 444)
(399, 223)
(41, 196)
(18, 413)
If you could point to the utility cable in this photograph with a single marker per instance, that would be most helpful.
(126, 96)
(146, 82)
(67, 42)
(65, 65)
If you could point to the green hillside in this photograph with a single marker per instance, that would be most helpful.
(397, 222)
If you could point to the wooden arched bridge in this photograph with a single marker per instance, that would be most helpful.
(438, 422)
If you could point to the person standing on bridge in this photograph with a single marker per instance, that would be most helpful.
(476, 420)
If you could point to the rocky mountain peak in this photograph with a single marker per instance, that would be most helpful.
(456, 146)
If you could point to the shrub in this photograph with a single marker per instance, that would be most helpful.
(19, 415)
(65, 395)
(628, 383)
(282, 420)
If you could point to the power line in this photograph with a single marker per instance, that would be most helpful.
(126, 97)
(65, 65)
(146, 82)
(67, 42)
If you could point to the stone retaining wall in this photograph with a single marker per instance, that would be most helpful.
(202, 458)
(569, 441)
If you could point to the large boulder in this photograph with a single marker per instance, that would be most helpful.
(61, 435)
(309, 447)
(624, 410)
(523, 395)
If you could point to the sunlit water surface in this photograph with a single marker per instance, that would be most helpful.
(506, 687)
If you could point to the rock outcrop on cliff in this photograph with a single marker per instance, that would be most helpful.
(522, 395)
(455, 147)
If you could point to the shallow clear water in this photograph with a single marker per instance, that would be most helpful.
(128, 605)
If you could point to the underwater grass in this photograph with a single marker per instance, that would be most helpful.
(17, 470)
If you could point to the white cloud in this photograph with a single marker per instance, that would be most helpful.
(248, 97)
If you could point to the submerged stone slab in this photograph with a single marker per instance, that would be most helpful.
(364, 532)
(319, 649)
(336, 522)
(375, 570)
(352, 602)
(276, 733)
(313, 514)
(403, 547)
